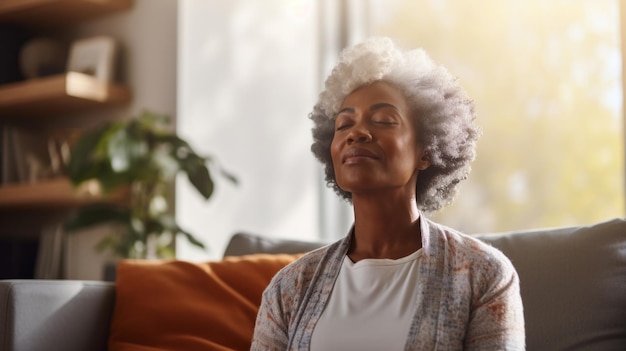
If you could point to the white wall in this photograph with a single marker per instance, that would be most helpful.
(248, 78)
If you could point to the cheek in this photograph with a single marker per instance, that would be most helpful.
(406, 149)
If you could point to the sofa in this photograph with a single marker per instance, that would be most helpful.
(573, 286)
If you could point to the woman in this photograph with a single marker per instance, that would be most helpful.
(396, 135)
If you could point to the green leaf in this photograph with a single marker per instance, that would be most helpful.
(167, 165)
(171, 139)
(193, 239)
(155, 226)
(169, 223)
(90, 158)
(153, 120)
(110, 181)
(165, 252)
(106, 243)
(229, 176)
(118, 150)
(200, 178)
(82, 164)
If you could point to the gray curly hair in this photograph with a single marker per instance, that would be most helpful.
(443, 113)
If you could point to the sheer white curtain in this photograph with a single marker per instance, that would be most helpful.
(249, 74)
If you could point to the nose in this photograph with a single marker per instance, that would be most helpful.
(359, 133)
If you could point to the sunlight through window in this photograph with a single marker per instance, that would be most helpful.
(546, 79)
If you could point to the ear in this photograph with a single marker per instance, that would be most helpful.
(423, 161)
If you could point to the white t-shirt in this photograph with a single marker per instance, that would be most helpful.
(371, 306)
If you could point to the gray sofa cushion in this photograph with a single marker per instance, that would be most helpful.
(573, 285)
(244, 244)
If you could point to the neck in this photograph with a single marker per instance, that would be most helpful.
(385, 227)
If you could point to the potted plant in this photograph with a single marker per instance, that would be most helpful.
(143, 156)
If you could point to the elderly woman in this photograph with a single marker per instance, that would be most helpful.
(396, 135)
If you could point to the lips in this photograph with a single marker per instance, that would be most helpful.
(356, 154)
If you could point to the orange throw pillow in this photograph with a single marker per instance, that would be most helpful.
(179, 305)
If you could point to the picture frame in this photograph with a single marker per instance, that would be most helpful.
(94, 56)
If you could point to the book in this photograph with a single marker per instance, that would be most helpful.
(50, 253)
(34, 154)
(30, 150)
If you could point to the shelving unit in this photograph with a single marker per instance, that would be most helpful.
(55, 96)
(54, 13)
(47, 103)
(55, 193)
(65, 93)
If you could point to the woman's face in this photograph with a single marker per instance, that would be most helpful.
(375, 144)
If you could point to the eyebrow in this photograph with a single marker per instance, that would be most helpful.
(374, 107)
(382, 105)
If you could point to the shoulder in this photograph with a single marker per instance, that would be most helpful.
(289, 287)
(466, 251)
(297, 275)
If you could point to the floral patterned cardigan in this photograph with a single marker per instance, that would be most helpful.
(468, 297)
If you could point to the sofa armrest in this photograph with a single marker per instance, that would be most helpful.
(55, 315)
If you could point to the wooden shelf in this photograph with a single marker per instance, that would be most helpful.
(57, 13)
(60, 94)
(55, 193)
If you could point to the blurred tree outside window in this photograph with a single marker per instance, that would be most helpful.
(546, 79)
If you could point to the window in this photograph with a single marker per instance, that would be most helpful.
(546, 79)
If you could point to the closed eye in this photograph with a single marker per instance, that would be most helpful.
(342, 126)
(384, 121)
(344, 120)
(385, 115)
